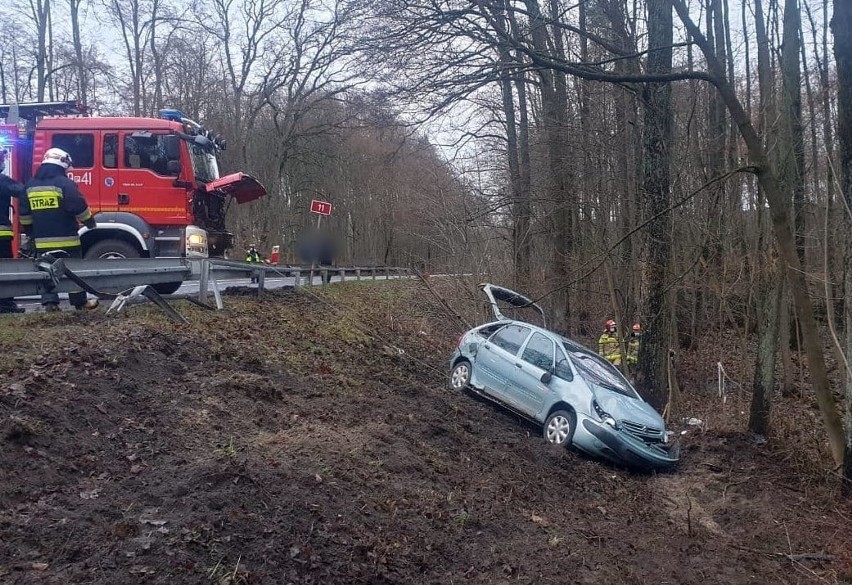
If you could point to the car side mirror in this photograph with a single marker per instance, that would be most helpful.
(173, 167)
(546, 378)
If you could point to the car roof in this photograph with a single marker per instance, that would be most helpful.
(570, 344)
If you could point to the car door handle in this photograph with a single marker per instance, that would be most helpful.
(123, 198)
(519, 365)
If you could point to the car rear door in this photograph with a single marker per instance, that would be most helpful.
(525, 385)
(495, 360)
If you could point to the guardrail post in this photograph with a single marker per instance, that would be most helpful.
(324, 276)
(297, 276)
(342, 275)
(311, 277)
(261, 276)
(203, 280)
(387, 273)
(357, 274)
(373, 272)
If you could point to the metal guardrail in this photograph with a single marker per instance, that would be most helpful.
(19, 278)
(28, 277)
(206, 270)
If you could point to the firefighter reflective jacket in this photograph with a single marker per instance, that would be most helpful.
(608, 347)
(633, 349)
(51, 208)
(252, 256)
(9, 188)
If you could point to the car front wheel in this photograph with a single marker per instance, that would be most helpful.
(460, 376)
(559, 428)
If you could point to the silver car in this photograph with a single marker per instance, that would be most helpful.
(578, 397)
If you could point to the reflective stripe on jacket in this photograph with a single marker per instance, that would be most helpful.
(54, 207)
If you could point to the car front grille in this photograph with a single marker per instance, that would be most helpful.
(641, 431)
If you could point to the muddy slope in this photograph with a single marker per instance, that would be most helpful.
(311, 439)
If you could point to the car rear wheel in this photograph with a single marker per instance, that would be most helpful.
(559, 428)
(460, 376)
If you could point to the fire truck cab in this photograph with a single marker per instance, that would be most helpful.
(152, 184)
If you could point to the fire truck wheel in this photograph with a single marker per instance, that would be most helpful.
(112, 249)
(167, 288)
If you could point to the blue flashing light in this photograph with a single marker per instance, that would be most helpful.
(173, 115)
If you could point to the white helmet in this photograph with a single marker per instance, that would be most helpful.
(57, 156)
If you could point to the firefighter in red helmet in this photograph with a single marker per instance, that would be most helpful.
(608, 342)
(633, 345)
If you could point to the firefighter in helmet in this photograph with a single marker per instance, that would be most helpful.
(608, 342)
(51, 211)
(253, 257)
(633, 345)
(9, 189)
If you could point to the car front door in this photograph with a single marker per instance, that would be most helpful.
(495, 360)
(526, 386)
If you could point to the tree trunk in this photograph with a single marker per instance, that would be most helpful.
(768, 315)
(82, 76)
(792, 168)
(841, 25)
(652, 367)
(553, 98)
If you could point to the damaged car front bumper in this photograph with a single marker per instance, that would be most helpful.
(620, 446)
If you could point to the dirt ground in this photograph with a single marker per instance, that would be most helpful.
(311, 438)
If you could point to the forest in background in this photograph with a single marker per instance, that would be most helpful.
(687, 166)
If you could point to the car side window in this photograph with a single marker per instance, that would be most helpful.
(539, 352)
(563, 366)
(511, 338)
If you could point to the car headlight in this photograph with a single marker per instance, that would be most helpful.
(605, 417)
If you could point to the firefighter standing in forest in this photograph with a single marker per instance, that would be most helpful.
(608, 342)
(633, 345)
(9, 189)
(50, 212)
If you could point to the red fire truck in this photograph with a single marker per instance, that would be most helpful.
(152, 184)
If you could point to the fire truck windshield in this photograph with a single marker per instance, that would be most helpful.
(204, 164)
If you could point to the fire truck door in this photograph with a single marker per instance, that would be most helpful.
(146, 180)
(109, 187)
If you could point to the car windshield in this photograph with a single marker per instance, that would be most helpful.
(598, 372)
(204, 164)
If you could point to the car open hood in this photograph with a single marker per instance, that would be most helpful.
(240, 186)
(498, 293)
